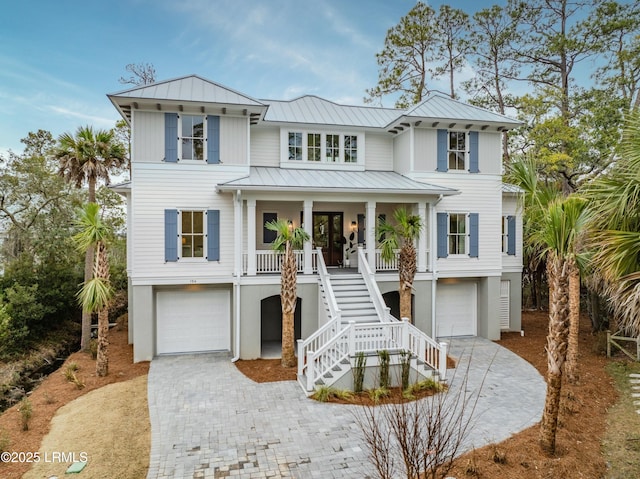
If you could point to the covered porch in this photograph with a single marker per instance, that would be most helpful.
(338, 209)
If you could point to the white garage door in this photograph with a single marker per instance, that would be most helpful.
(192, 321)
(456, 309)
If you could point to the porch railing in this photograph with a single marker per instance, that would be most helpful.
(392, 265)
(269, 261)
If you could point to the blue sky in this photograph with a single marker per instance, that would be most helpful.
(59, 59)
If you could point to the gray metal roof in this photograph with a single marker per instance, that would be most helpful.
(190, 88)
(509, 188)
(314, 110)
(441, 107)
(331, 181)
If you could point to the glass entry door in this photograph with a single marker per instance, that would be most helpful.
(328, 235)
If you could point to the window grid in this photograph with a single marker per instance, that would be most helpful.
(192, 137)
(295, 146)
(314, 148)
(333, 148)
(192, 234)
(350, 149)
(457, 150)
(457, 233)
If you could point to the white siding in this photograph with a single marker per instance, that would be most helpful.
(148, 137)
(426, 150)
(490, 152)
(379, 152)
(265, 147)
(479, 194)
(402, 153)
(513, 263)
(178, 186)
(233, 140)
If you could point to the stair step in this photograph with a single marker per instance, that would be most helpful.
(353, 299)
(351, 294)
(360, 312)
(350, 287)
(356, 307)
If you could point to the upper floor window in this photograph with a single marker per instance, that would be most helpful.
(457, 152)
(192, 137)
(192, 234)
(321, 147)
(295, 146)
(457, 234)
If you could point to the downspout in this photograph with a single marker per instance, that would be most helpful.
(236, 278)
(434, 265)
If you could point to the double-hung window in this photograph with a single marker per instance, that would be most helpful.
(457, 233)
(192, 234)
(457, 151)
(192, 137)
(295, 146)
(314, 147)
(310, 146)
(333, 148)
(350, 149)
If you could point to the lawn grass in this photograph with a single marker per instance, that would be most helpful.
(621, 446)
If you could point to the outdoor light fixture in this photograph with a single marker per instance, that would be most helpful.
(354, 226)
(290, 223)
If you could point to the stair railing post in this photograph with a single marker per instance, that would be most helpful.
(442, 361)
(301, 358)
(406, 345)
(310, 370)
(352, 338)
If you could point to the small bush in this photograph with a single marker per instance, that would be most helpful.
(358, 371)
(426, 385)
(405, 365)
(384, 368)
(498, 455)
(378, 394)
(326, 393)
(93, 348)
(26, 411)
(71, 376)
(48, 398)
(5, 442)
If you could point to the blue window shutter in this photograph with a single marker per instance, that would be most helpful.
(213, 139)
(473, 235)
(361, 228)
(213, 235)
(171, 137)
(442, 150)
(473, 152)
(171, 235)
(442, 231)
(511, 235)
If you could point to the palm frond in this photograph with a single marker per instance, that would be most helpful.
(95, 294)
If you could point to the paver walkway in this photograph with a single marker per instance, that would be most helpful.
(208, 420)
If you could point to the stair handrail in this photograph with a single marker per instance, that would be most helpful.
(330, 329)
(342, 338)
(380, 306)
(425, 348)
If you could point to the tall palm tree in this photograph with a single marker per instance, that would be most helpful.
(96, 293)
(614, 228)
(402, 235)
(88, 157)
(558, 232)
(287, 240)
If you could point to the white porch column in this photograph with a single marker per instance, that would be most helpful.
(307, 219)
(251, 237)
(237, 230)
(422, 240)
(371, 221)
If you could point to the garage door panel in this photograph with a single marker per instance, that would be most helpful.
(456, 310)
(192, 321)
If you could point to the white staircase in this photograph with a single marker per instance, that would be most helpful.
(353, 299)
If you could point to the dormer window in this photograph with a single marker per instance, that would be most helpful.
(295, 146)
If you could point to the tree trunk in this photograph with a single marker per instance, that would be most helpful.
(85, 337)
(558, 277)
(102, 360)
(571, 368)
(288, 296)
(407, 272)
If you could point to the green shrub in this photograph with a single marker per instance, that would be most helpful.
(326, 393)
(379, 393)
(405, 368)
(384, 368)
(26, 411)
(358, 371)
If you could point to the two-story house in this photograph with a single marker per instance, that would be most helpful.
(210, 166)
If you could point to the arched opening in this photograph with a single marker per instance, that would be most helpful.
(271, 325)
(392, 300)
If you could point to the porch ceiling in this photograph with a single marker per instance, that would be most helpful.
(281, 179)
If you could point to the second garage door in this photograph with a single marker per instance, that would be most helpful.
(192, 321)
(456, 309)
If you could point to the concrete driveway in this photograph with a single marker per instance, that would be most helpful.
(209, 421)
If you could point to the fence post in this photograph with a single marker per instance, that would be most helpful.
(442, 362)
(405, 335)
(311, 367)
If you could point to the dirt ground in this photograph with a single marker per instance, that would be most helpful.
(55, 391)
(582, 418)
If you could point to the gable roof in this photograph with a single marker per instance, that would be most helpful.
(263, 178)
(311, 109)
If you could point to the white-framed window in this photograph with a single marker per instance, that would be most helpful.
(457, 150)
(314, 147)
(322, 147)
(192, 131)
(295, 146)
(192, 234)
(457, 234)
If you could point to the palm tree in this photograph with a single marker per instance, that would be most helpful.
(614, 238)
(559, 232)
(403, 236)
(287, 240)
(96, 293)
(88, 156)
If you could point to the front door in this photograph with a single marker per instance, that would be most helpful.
(328, 235)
